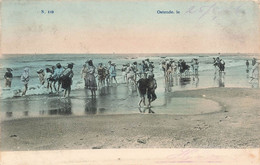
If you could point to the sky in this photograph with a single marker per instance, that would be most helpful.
(129, 27)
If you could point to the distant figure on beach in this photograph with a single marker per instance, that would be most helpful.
(53, 69)
(222, 66)
(84, 72)
(130, 75)
(254, 73)
(247, 64)
(112, 72)
(25, 77)
(168, 71)
(91, 80)
(56, 76)
(217, 63)
(196, 66)
(145, 66)
(139, 70)
(66, 79)
(101, 75)
(253, 61)
(123, 70)
(173, 67)
(163, 65)
(8, 77)
(183, 67)
(108, 73)
(142, 88)
(48, 78)
(152, 85)
(41, 76)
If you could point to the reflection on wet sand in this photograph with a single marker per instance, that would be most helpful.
(143, 110)
(26, 113)
(195, 81)
(61, 107)
(91, 106)
(185, 81)
(182, 81)
(9, 114)
(219, 78)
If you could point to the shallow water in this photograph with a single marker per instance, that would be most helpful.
(110, 100)
(123, 99)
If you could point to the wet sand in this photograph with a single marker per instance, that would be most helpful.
(235, 125)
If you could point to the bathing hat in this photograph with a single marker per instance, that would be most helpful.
(40, 71)
(58, 65)
(9, 69)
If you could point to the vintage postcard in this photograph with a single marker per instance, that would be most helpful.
(130, 82)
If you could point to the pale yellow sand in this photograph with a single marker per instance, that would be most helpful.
(237, 125)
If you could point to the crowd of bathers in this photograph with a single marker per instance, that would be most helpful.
(173, 67)
(139, 74)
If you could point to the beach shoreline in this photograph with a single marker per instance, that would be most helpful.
(235, 126)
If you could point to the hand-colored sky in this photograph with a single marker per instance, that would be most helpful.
(130, 27)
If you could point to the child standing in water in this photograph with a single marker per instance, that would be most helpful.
(56, 76)
(152, 85)
(196, 66)
(48, 78)
(8, 77)
(247, 64)
(41, 76)
(112, 72)
(66, 78)
(25, 77)
(91, 79)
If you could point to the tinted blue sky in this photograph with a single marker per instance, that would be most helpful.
(237, 23)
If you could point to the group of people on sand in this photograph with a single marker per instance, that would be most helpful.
(57, 76)
(173, 67)
(105, 75)
(52, 76)
(141, 75)
(62, 76)
(24, 78)
(133, 72)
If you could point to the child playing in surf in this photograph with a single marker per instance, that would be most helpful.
(152, 85)
(112, 72)
(48, 78)
(66, 78)
(25, 77)
(8, 77)
(41, 76)
(56, 76)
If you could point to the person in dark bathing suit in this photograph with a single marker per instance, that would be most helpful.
(8, 77)
(142, 88)
(152, 85)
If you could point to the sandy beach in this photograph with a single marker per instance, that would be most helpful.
(235, 125)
